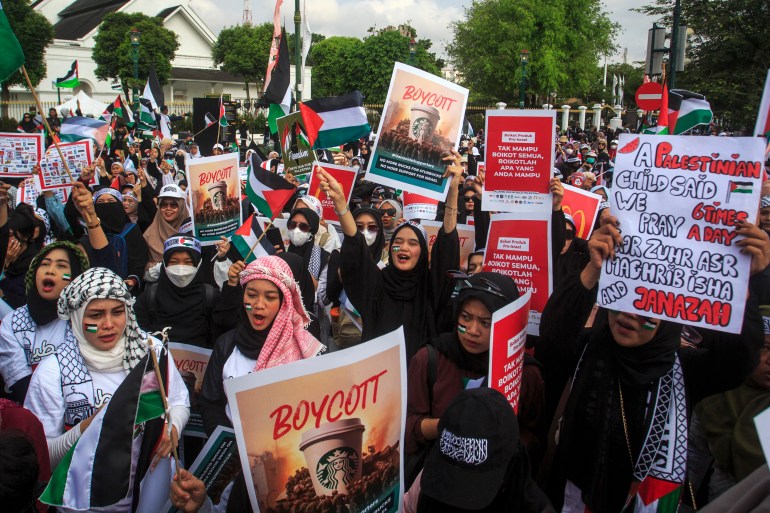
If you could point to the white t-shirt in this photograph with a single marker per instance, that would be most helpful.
(24, 344)
(237, 365)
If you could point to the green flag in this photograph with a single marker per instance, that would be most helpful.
(10, 49)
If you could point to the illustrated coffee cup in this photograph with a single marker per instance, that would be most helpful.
(218, 194)
(423, 123)
(333, 455)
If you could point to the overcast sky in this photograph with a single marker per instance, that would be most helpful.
(431, 18)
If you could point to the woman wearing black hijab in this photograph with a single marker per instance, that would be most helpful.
(406, 292)
(303, 278)
(21, 237)
(623, 432)
(27, 124)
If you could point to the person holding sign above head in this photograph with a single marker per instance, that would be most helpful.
(622, 428)
(407, 291)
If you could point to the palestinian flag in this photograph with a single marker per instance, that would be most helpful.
(335, 121)
(97, 471)
(278, 91)
(740, 188)
(148, 123)
(686, 110)
(222, 117)
(119, 109)
(657, 496)
(209, 119)
(69, 80)
(762, 127)
(246, 237)
(267, 191)
(77, 128)
(10, 49)
(153, 91)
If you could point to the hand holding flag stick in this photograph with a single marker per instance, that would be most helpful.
(172, 434)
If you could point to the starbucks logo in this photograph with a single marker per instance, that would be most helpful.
(422, 128)
(337, 468)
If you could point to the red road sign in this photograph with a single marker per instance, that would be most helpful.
(649, 96)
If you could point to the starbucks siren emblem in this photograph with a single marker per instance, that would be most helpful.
(337, 468)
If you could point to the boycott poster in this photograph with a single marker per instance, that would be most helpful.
(506, 348)
(583, 207)
(678, 200)
(298, 156)
(53, 175)
(192, 362)
(216, 465)
(28, 193)
(465, 233)
(519, 246)
(419, 207)
(325, 427)
(346, 176)
(19, 152)
(518, 159)
(216, 197)
(421, 122)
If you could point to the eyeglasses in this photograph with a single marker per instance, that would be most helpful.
(469, 198)
(463, 283)
(388, 211)
(303, 227)
(173, 205)
(371, 227)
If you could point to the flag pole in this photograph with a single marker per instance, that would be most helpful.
(163, 397)
(48, 128)
(219, 119)
(253, 247)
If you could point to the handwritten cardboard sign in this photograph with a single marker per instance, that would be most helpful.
(215, 197)
(335, 424)
(519, 246)
(506, 348)
(19, 153)
(583, 207)
(678, 200)
(518, 159)
(346, 176)
(422, 120)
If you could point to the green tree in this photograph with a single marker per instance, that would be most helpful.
(334, 67)
(728, 59)
(314, 39)
(243, 50)
(565, 40)
(34, 33)
(113, 55)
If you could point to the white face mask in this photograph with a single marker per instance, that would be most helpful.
(569, 151)
(356, 167)
(370, 237)
(298, 237)
(181, 275)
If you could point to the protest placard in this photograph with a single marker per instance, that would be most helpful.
(419, 207)
(421, 122)
(53, 175)
(298, 156)
(215, 197)
(583, 207)
(192, 362)
(678, 200)
(324, 427)
(346, 176)
(465, 233)
(518, 159)
(519, 246)
(506, 348)
(216, 465)
(762, 423)
(19, 153)
(27, 192)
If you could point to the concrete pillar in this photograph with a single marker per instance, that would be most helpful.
(564, 117)
(547, 106)
(582, 119)
(597, 115)
(501, 105)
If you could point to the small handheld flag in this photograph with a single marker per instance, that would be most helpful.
(71, 79)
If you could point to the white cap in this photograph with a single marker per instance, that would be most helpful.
(218, 147)
(171, 191)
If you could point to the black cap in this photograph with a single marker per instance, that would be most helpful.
(478, 437)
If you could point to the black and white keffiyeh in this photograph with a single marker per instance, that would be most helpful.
(101, 283)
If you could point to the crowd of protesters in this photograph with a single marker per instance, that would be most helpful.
(87, 282)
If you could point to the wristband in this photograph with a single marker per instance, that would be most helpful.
(94, 226)
(340, 214)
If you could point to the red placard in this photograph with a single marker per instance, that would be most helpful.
(519, 246)
(518, 159)
(649, 96)
(346, 176)
(583, 207)
(465, 234)
(419, 207)
(506, 348)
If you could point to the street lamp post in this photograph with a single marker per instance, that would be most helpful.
(524, 59)
(412, 50)
(135, 40)
(297, 52)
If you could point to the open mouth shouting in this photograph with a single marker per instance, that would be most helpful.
(48, 285)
